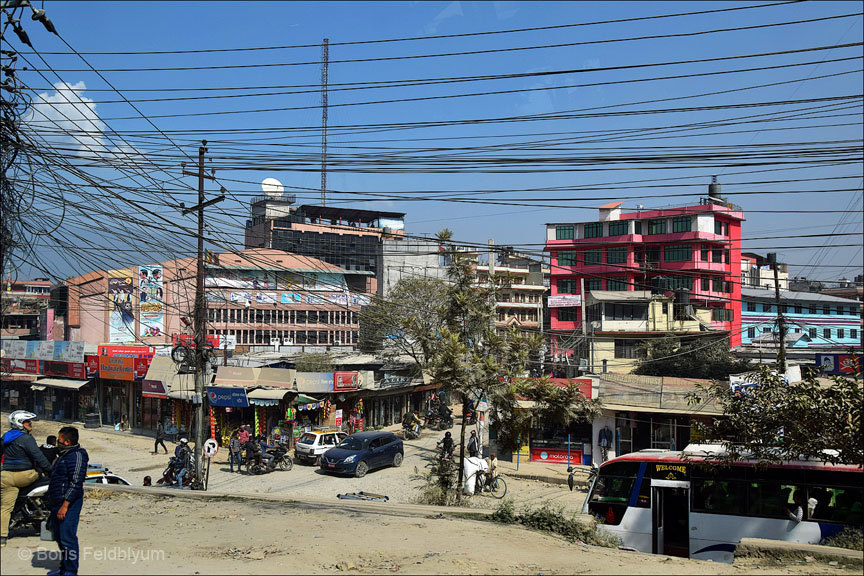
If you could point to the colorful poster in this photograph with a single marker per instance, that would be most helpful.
(265, 297)
(241, 297)
(67, 351)
(46, 350)
(291, 298)
(151, 301)
(121, 322)
(14, 348)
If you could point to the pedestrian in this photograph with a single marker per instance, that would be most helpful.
(22, 463)
(66, 497)
(473, 445)
(234, 449)
(243, 434)
(160, 438)
(49, 449)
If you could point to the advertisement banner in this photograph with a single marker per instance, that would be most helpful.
(840, 363)
(153, 389)
(127, 351)
(231, 397)
(291, 298)
(10, 365)
(75, 370)
(265, 297)
(565, 301)
(213, 340)
(68, 351)
(338, 415)
(46, 350)
(14, 349)
(122, 368)
(92, 364)
(241, 297)
(555, 455)
(345, 381)
(151, 301)
(121, 322)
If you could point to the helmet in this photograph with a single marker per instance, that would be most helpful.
(184, 441)
(18, 417)
(447, 434)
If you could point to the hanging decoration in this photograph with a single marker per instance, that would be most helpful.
(359, 406)
(257, 423)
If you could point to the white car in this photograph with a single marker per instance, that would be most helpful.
(311, 445)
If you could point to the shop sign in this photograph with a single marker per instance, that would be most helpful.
(338, 415)
(232, 397)
(92, 364)
(122, 368)
(840, 363)
(20, 365)
(555, 455)
(14, 349)
(565, 301)
(67, 351)
(189, 340)
(345, 381)
(75, 370)
(669, 471)
(153, 389)
(127, 351)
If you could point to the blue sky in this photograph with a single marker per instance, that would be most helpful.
(291, 156)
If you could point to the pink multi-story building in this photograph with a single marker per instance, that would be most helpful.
(693, 251)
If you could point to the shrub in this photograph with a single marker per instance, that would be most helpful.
(849, 537)
(552, 519)
(440, 488)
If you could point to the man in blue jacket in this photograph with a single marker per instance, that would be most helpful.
(22, 463)
(66, 496)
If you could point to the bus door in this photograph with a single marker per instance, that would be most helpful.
(670, 517)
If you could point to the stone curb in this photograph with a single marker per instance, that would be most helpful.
(762, 547)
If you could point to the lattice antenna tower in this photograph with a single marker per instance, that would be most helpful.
(325, 73)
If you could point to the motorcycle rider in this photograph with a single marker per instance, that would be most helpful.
(22, 463)
(447, 445)
(266, 456)
(412, 421)
(183, 454)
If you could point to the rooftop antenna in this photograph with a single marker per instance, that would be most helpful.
(325, 73)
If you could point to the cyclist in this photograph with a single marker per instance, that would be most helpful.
(447, 445)
(492, 471)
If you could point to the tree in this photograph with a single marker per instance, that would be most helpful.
(407, 322)
(314, 363)
(699, 358)
(771, 421)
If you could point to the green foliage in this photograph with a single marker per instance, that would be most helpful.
(773, 421)
(440, 487)
(552, 519)
(849, 537)
(314, 363)
(701, 358)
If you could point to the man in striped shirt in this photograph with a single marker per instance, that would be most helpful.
(66, 496)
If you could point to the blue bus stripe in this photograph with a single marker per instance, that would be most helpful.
(634, 496)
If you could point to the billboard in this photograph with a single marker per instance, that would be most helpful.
(565, 301)
(122, 368)
(841, 364)
(121, 322)
(345, 381)
(67, 351)
(75, 370)
(151, 301)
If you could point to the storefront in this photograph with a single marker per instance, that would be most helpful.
(63, 398)
(386, 406)
(120, 367)
(16, 392)
(557, 442)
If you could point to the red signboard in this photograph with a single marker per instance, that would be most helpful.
(127, 351)
(92, 363)
(555, 455)
(153, 389)
(122, 368)
(20, 365)
(189, 340)
(75, 370)
(345, 381)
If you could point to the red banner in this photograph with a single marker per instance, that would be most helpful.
(127, 351)
(189, 340)
(555, 455)
(153, 389)
(345, 381)
(212, 424)
(74, 370)
(122, 368)
(92, 363)
(19, 365)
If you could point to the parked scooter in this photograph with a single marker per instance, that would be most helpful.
(30, 508)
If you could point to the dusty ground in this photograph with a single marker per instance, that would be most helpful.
(137, 534)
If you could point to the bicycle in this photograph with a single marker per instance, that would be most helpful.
(497, 488)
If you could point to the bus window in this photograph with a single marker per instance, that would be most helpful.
(609, 498)
(771, 499)
(643, 500)
(848, 508)
(718, 496)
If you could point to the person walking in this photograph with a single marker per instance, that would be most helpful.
(243, 435)
(234, 449)
(160, 438)
(66, 497)
(22, 463)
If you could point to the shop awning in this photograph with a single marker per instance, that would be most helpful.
(428, 387)
(264, 397)
(37, 387)
(63, 383)
(303, 399)
(695, 411)
(187, 395)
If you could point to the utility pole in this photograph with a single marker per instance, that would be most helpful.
(200, 306)
(781, 322)
(325, 78)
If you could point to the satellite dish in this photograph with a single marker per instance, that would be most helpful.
(272, 187)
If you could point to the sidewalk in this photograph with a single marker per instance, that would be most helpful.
(545, 472)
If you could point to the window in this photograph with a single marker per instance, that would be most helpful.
(841, 333)
(677, 253)
(616, 284)
(813, 309)
(705, 283)
(727, 258)
(626, 312)
(826, 310)
(637, 227)
(656, 226)
(682, 224)
(703, 253)
(626, 348)
(723, 315)
(652, 254)
(567, 258)
(716, 255)
(592, 284)
(563, 232)
(717, 284)
(617, 228)
(811, 332)
(676, 282)
(617, 255)
(568, 286)
(725, 228)
(751, 333)
(594, 230)
(826, 333)
(568, 314)
(718, 227)
(751, 306)
(719, 496)
(770, 499)
(593, 257)
(766, 330)
(798, 309)
(853, 333)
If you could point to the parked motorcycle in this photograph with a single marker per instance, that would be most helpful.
(169, 475)
(30, 508)
(255, 464)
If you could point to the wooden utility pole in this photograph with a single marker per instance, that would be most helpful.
(781, 321)
(200, 308)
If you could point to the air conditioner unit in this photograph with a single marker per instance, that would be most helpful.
(287, 342)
